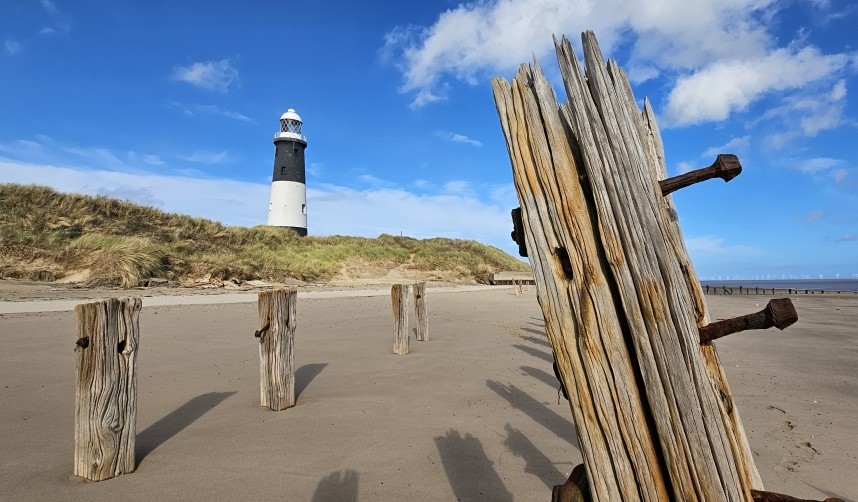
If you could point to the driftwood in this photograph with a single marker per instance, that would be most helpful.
(622, 304)
(278, 317)
(106, 399)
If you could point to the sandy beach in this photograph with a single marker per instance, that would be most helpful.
(472, 414)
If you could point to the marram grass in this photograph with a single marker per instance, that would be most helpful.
(47, 235)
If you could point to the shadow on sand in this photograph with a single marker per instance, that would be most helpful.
(535, 462)
(305, 374)
(539, 333)
(341, 486)
(549, 379)
(161, 431)
(469, 470)
(535, 352)
(540, 413)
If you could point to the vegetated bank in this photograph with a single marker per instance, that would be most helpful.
(46, 235)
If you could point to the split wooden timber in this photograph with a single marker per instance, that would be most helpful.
(619, 294)
(106, 399)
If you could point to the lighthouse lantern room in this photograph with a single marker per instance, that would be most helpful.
(288, 206)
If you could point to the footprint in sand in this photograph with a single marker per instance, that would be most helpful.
(795, 450)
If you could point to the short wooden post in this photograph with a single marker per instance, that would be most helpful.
(278, 319)
(420, 309)
(106, 398)
(399, 295)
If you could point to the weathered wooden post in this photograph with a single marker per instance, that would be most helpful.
(400, 295)
(420, 308)
(106, 398)
(623, 308)
(278, 319)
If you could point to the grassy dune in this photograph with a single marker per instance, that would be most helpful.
(46, 235)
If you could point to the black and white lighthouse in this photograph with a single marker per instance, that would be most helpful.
(288, 206)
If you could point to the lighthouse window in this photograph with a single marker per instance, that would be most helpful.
(295, 151)
(303, 208)
(283, 170)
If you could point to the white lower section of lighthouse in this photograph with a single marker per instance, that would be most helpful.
(288, 206)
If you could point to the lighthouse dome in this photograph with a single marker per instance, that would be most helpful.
(290, 126)
(291, 115)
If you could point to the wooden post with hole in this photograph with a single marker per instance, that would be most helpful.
(106, 398)
(276, 335)
(620, 299)
(400, 295)
(420, 310)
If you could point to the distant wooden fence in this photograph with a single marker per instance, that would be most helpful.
(742, 290)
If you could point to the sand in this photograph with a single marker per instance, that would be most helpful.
(472, 414)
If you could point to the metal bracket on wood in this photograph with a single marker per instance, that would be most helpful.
(778, 313)
(726, 167)
(518, 231)
(261, 332)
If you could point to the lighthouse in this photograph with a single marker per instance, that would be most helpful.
(288, 206)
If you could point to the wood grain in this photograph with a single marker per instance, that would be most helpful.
(276, 336)
(420, 311)
(615, 285)
(399, 297)
(106, 398)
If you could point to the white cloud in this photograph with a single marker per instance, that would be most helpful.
(812, 216)
(458, 138)
(807, 113)
(736, 144)
(839, 175)
(12, 47)
(210, 75)
(375, 181)
(342, 210)
(711, 245)
(195, 109)
(640, 74)
(458, 187)
(815, 164)
(719, 89)
(207, 157)
(146, 158)
(725, 53)
(55, 18)
(684, 167)
(51, 7)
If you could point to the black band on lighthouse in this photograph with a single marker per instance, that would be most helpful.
(289, 160)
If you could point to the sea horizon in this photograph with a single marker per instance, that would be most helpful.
(809, 284)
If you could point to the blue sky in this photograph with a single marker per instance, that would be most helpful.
(174, 104)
